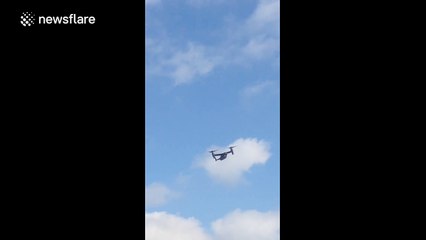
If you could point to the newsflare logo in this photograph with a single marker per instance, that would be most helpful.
(29, 19)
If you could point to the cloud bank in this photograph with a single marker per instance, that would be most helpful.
(237, 225)
(248, 225)
(164, 226)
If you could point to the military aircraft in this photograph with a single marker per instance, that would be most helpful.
(221, 156)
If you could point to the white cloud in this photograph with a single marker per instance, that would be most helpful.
(181, 65)
(237, 225)
(158, 194)
(254, 39)
(261, 47)
(189, 64)
(262, 31)
(266, 16)
(259, 88)
(249, 152)
(248, 225)
(242, 42)
(165, 226)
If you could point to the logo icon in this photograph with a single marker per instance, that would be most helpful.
(27, 19)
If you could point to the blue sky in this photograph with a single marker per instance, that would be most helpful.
(212, 80)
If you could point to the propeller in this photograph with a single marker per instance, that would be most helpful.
(213, 151)
(231, 149)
